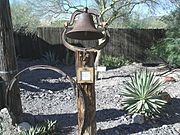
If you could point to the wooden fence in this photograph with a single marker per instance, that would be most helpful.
(131, 43)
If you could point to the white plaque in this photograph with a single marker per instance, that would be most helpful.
(85, 75)
(101, 68)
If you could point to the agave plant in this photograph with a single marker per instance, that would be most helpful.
(46, 129)
(142, 94)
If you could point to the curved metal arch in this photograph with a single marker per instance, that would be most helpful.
(36, 67)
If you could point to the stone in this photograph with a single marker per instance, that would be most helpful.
(50, 92)
(174, 132)
(166, 96)
(6, 122)
(67, 98)
(117, 96)
(125, 120)
(169, 79)
(24, 126)
(177, 127)
(137, 118)
(164, 126)
(175, 76)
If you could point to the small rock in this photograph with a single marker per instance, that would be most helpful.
(153, 129)
(164, 126)
(50, 92)
(70, 88)
(175, 132)
(124, 121)
(117, 96)
(67, 98)
(27, 117)
(165, 96)
(35, 96)
(41, 95)
(24, 126)
(177, 127)
(137, 118)
(169, 79)
(6, 122)
(175, 76)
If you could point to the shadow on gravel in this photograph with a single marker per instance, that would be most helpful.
(110, 77)
(35, 87)
(40, 80)
(108, 114)
(67, 123)
(170, 115)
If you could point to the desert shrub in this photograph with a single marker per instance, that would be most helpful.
(168, 49)
(142, 94)
(46, 128)
(112, 61)
(51, 58)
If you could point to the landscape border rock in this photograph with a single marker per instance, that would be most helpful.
(6, 122)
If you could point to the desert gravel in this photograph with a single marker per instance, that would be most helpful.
(45, 96)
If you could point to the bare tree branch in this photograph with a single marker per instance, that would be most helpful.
(120, 8)
(176, 3)
(53, 8)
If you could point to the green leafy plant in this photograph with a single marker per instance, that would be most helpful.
(45, 129)
(112, 61)
(168, 49)
(51, 58)
(142, 94)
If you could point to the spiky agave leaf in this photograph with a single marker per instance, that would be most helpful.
(142, 94)
(45, 129)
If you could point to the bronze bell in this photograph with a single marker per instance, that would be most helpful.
(84, 28)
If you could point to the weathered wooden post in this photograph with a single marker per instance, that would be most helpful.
(8, 65)
(85, 29)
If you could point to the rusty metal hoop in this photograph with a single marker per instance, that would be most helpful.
(42, 67)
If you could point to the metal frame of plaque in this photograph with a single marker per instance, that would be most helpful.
(85, 75)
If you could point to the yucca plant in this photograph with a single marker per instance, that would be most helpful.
(46, 129)
(142, 94)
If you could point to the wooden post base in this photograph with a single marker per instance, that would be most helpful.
(86, 96)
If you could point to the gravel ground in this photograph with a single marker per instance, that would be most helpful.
(45, 96)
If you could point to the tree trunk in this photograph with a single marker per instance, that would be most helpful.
(8, 64)
(86, 97)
